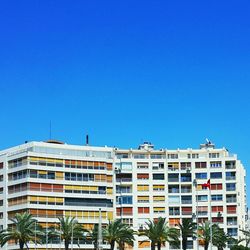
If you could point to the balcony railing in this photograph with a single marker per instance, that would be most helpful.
(186, 202)
(231, 200)
(186, 190)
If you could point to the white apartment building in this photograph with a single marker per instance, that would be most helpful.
(52, 179)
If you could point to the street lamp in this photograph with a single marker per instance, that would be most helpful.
(195, 215)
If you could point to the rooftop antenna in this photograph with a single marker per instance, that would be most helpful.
(87, 139)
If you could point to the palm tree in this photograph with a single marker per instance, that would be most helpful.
(247, 237)
(68, 230)
(187, 229)
(158, 233)
(118, 232)
(23, 230)
(220, 239)
(93, 236)
(204, 234)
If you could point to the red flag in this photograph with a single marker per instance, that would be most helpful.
(208, 185)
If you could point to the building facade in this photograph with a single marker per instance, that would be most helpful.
(52, 179)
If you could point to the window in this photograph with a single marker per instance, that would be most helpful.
(216, 175)
(124, 200)
(202, 211)
(158, 187)
(157, 156)
(200, 164)
(174, 199)
(214, 155)
(142, 165)
(215, 164)
(143, 210)
(186, 199)
(173, 189)
(202, 198)
(231, 221)
(159, 210)
(140, 156)
(186, 210)
(158, 176)
(185, 165)
(142, 188)
(216, 197)
(158, 198)
(230, 175)
(172, 156)
(157, 165)
(217, 208)
(173, 177)
(230, 165)
(216, 186)
(142, 176)
(201, 175)
(231, 198)
(232, 231)
(230, 186)
(174, 211)
(124, 211)
(142, 199)
(185, 177)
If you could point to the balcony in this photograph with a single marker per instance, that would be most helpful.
(173, 179)
(232, 223)
(231, 200)
(186, 201)
(186, 190)
(174, 212)
(230, 178)
(124, 180)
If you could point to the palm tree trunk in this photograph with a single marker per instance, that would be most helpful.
(206, 246)
(66, 244)
(159, 245)
(152, 245)
(112, 245)
(21, 245)
(184, 243)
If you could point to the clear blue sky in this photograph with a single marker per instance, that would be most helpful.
(171, 72)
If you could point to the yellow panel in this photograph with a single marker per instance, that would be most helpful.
(110, 215)
(159, 209)
(93, 188)
(91, 214)
(59, 200)
(51, 199)
(42, 172)
(85, 188)
(85, 214)
(143, 198)
(109, 190)
(77, 187)
(34, 158)
(158, 186)
(80, 214)
(159, 198)
(42, 198)
(67, 213)
(73, 213)
(59, 174)
(58, 160)
(33, 198)
(69, 187)
(142, 187)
